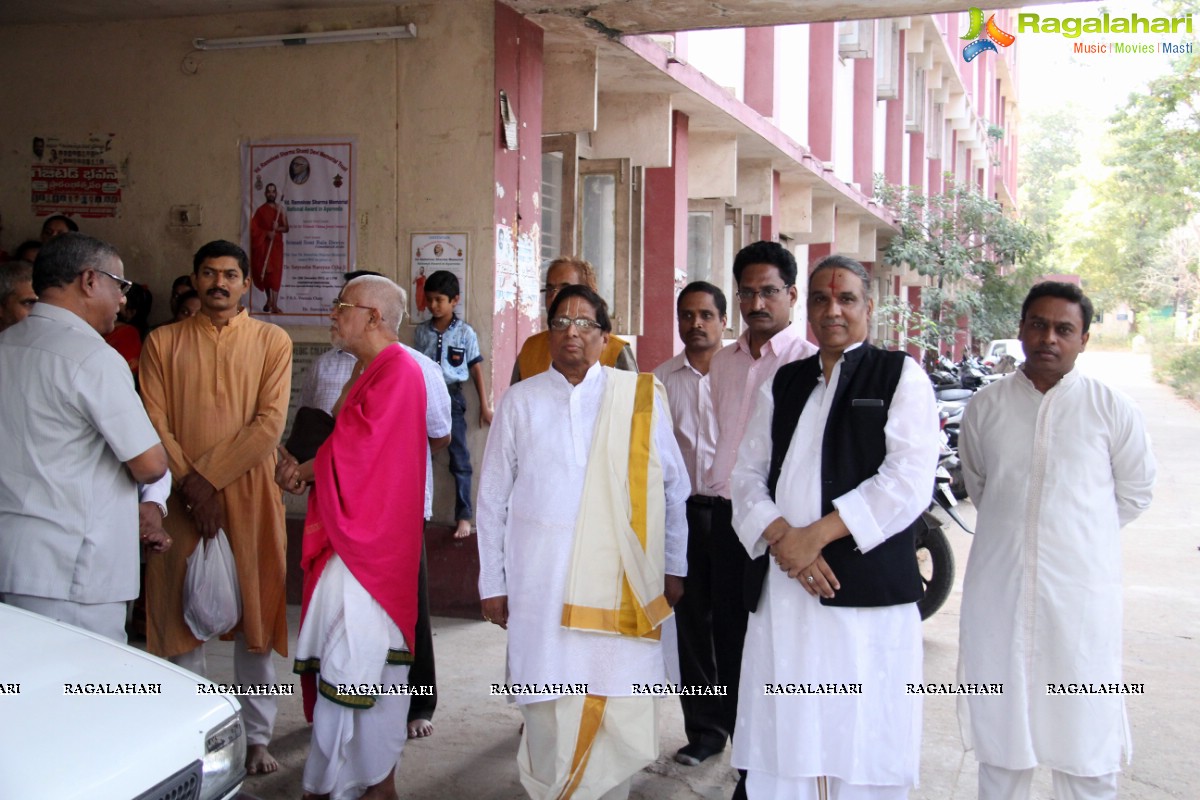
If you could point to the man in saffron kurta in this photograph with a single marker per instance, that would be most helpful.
(534, 357)
(582, 492)
(216, 387)
(1056, 462)
(267, 226)
(362, 550)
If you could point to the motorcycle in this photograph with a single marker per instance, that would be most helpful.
(935, 558)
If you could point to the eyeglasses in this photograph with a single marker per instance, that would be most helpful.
(338, 305)
(121, 282)
(582, 323)
(767, 293)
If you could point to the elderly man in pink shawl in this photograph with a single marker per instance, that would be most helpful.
(362, 548)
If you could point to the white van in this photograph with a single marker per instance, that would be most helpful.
(83, 717)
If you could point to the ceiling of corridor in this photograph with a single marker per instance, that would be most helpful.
(561, 18)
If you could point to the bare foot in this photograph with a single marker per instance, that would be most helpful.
(384, 790)
(259, 761)
(463, 530)
(419, 728)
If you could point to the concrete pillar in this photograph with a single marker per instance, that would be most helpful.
(665, 249)
(863, 153)
(761, 81)
(822, 49)
(770, 222)
(893, 149)
(914, 304)
(518, 72)
(570, 92)
(916, 161)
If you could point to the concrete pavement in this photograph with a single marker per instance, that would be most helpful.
(471, 754)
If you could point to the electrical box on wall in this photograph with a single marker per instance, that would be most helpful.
(185, 217)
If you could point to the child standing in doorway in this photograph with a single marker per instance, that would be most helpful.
(453, 344)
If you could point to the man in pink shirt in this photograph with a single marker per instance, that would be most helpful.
(765, 273)
(702, 314)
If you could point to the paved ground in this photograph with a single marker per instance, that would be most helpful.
(471, 754)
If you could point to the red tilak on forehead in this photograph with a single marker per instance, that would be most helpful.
(833, 280)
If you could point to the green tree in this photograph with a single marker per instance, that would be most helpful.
(970, 248)
(1153, 187)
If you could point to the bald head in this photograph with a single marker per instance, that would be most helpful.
(381, 293)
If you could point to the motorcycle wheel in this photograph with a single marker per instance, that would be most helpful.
(935, 560)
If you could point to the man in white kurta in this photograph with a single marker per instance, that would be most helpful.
(823, 700)
(530, 491)
(1056, 462)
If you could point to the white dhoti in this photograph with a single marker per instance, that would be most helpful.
(586, 747)
(358, 735)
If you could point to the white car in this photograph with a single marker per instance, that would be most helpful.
(999, 348)
(85, 718)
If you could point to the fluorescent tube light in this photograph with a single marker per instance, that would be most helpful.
(408, 31)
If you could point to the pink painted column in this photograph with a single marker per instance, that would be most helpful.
(961, 337)
(665, 247)
(916, 161)
(518, 71)
(822, 43)
(760, 82)
(769, 227)
(893, 148)
(863, 158)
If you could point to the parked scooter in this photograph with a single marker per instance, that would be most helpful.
(935, 558)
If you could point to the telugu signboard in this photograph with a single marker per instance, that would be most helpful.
(76, 178)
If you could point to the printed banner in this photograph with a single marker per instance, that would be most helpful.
(78, 179)
(298, 226)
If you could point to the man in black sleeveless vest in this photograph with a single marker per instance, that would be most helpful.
(834, 471)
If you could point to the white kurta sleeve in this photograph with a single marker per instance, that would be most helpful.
(497, 475)
(158, 492)
(971, 446)
(678, 486)
(753, 508)
(1133, 465)
(889, 501)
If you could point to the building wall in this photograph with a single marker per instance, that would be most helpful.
(177, 117)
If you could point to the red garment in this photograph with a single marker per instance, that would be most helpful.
(126, 340)
(267, 251)
(367, 503)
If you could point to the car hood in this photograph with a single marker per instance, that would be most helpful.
(91, 717)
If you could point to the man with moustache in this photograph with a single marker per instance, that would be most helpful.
(1057, 463)
(836, 466)
(216, 387)
(701, 312)
(78, 444)
(765, 273)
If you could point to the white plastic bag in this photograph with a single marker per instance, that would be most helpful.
(212, 599)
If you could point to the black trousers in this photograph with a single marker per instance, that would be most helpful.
(711, 620)
(422, 672)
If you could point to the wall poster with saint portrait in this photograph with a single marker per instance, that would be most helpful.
(298, 212)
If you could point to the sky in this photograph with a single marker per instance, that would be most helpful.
(1050, 74)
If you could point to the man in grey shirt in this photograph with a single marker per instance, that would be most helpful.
(78, 443)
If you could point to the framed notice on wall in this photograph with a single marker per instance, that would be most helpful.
(432, 252)
(298, 226)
